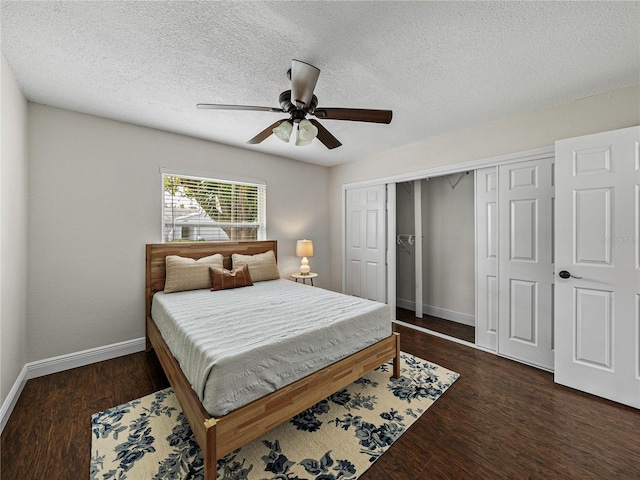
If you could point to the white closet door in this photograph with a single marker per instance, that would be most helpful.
(525, 272)
(486, 186)
(365, 243)
(598, 242)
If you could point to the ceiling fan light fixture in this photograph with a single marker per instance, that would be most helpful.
(307, 131)
(283, 131)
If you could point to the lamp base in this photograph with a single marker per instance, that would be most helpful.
(304, 266)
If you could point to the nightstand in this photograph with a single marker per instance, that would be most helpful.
(310, 276)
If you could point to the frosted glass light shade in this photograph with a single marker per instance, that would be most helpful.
(307, 131)
(283, 131)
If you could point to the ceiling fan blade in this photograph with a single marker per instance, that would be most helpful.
(303, 81)
(355, 114)
(325, 137)
(265, 133)
(213, 106)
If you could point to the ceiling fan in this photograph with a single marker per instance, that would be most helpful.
(300, 102)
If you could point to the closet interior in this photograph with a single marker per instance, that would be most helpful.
(435, 254)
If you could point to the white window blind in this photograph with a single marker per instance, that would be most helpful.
(199, 209)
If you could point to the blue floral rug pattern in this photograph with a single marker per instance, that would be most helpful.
(338, 438)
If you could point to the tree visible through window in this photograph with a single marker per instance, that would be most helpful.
(197, 209)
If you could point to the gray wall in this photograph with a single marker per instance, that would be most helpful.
(448, 247)
(405, 256)
(599, 113)
(449, 244)
(13, 231)
(95, 201)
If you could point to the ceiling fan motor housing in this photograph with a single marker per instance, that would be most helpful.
(297, 114)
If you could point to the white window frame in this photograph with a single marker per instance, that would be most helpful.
(261, 223)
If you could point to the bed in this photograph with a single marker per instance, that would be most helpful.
(236, 424)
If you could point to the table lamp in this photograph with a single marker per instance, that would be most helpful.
(304, 249)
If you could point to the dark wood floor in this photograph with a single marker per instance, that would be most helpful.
(500, 420)
(446, 327)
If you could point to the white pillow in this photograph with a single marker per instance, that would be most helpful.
(189, 274)
(262, 266)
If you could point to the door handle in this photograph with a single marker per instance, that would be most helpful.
(565, 274)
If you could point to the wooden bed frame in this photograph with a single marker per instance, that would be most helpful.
(220, 436)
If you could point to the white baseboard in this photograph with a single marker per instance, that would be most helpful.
(463, 318)
(85, 357)
(65, 362)
(406, 304)
(12, 398)
(458, 317)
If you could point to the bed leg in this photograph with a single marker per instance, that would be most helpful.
(396, 360)
(209, 453)
(148, 345)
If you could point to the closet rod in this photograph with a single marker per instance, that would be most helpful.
(410, 239)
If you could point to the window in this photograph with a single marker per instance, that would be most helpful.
(198, 209)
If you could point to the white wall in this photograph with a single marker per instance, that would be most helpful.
(95, 199)
(607, 111)
(13, 228)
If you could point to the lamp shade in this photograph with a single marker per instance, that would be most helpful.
(283, 131)
(304, 248)
(307, 131)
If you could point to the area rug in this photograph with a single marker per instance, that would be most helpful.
(338, 438)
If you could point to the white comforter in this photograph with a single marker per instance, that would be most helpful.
(238, 345)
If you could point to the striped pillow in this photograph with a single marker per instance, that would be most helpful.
(221, 278)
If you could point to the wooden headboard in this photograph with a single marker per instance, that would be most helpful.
(156, 253)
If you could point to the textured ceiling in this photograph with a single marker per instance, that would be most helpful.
(440, 66)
